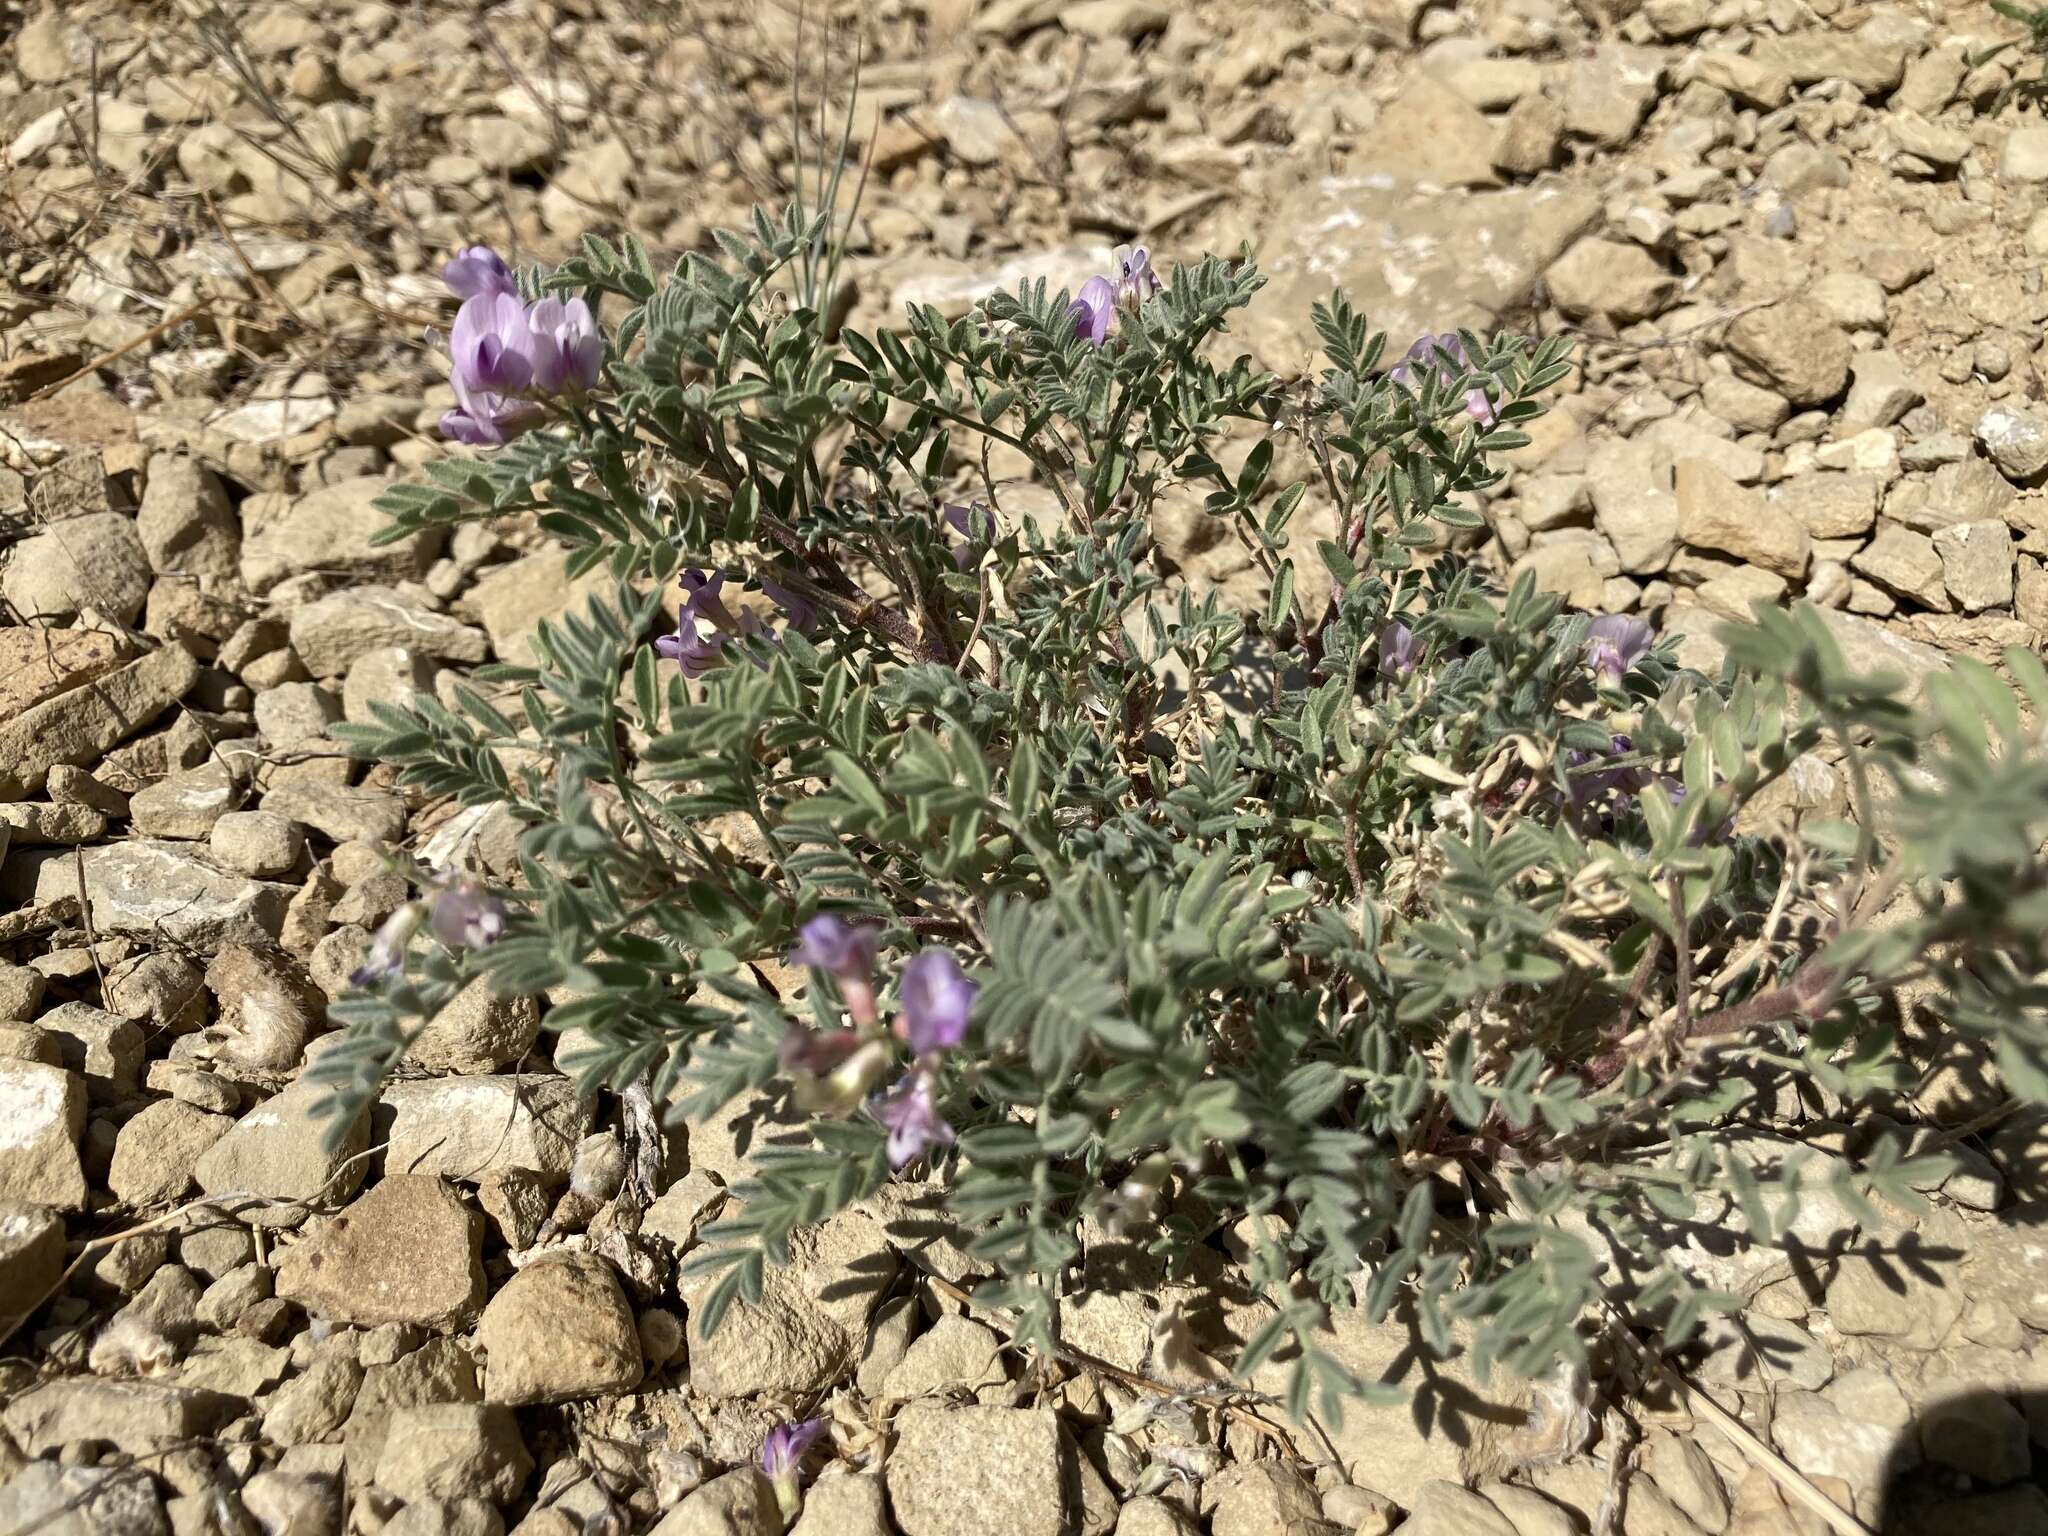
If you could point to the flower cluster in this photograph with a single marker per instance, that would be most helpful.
(700, 648)
(834, 1070)
(1444, 357)
(1132, 282)
(510, 355)
(462, 914)
(782, 1459)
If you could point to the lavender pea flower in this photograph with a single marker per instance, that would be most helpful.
(803, 613)
(1615, 643)
(1135, 279)
(479, 269)
(1399, 650)
(486, 419)
(846, 953)
(1443, 356)
(937, 1000)
(466, 916)
(697, 651)
(493, 345)
(566, 349)
(782, 1455)
(1093, 309)
(967, 553)
(913, 1120)
(387, 950)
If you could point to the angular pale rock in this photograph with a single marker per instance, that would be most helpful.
(1684, 437)
(1609, 89)
(96, 561)
(80, 726)
(1104, 19)
(185, 522)
(31, 1258)
(1735, 594)
(409, 1251)
(513, 599)
(439, 1371)
(1433, 135)
(388, 675)
(42, 1115)
(966, 1471)
(1793, 347)
(293, 714)
(844, 1506)
(1904, 562)
(1745, 78)
(810, 1327)
(184, 805)
(454, 1451)
(54, 1500)
(103, 1048)
(136, 1416)
(1567, 569)
(1869, 647)
(279, 1149)
(332, 634)
(1414, 263)
(156, 1149)
(1830, 506)
(1715, 513)
(1609, 277)
(1881, 390)
(259, 843)
(332, 530)
(342, 813)
(38, 664)
(478, 1032)
(1531, 136)
(2025, 156)
(466, 1127)
(740, 1503)
(1977, 564)
(956, 1354)
(166, 891)
(2017, 441)
(559, 1329)
(315, 1403)
(1633, 505)
(1262, 1496)
(1450, 1509)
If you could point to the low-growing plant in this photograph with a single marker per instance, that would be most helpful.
(1435, 921)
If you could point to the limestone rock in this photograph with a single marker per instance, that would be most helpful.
(101, 1047)
(409, 1251)
(741, 1503)
(513, 599)
(957, 1354)
(967, 1471)
(466, 1127)
(156, 1149)
(163, 891)
(1633, 505)
(844, 1506)
(92, 562)
(331, 635)
(477, 1032)
(42, 1115)
(454, 1451)
(439, 1371)
(54, 1500)
(1261, 1497)
(135, 1416)
(31, 1258)
(1828, 505)
(278, 1149)
(79, 727)
(1433, 135)
(2017, 441)
(342, 813)
(186, 805)
(261, 843)
(314, 1404)
(1976, 564)
(809, 1328)
(332, 529)
(1715, 513)
(1609, 277)
(559, 1329)
(1793, 347)
(1449, 1509)
(185, 522)
(1905, 562)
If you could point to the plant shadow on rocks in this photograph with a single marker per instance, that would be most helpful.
(1970, 1462)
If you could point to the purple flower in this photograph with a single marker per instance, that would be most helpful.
(1600, 782)
(493, 345)
(937, 999)
(782, 1455)
(913, 1121)
(698, 651)
(1093, 309)
(1615, 643)
(967, 553)
(1399, 650)
(479, 269)
(803, 613)
(567, 351)
(387, 950)
(1134, 277)
(466, 916)
(846, 953)
(1444, 357)
(486, 419)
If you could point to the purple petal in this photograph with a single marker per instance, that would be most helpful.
(937, 1000)
(1093, 309)
(837, 948)
(479, 269)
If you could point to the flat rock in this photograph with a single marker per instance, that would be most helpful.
(1976, 563)
(1904, 562)
(38, 663)
(156, 1149)
(1793, 347)
(1717, 514)
(103, 1048)
(477, 1032)
(185, 522)
(971, 1471)
(342, 813)
(330, 635)
(278, 1149)
(559, 1329)
(1415, 264)
(136, 1416)
(466, 1127)
(1434, 136)
(53, 1500)
(810, 1327)
(92, 562)
(1615, 278)
(513, 599)
(739, 1503)
(42, 1115)
(31, 1258)
(184, 805)
(167, 892)
(409, 1251)
(332, 530)
(454, 1451)
(81, 725)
